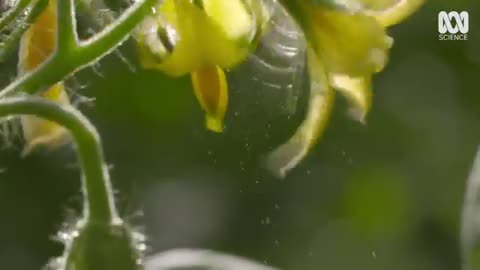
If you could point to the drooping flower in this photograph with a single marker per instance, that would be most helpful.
(347, 43)
(37, 44)
(346, 39)
(201, 38)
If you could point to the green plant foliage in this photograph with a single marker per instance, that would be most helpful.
(346, 43)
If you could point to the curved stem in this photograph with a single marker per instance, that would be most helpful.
(13, 13)
(99, 204)
(59, 66)
(116, 31)
(9, 46)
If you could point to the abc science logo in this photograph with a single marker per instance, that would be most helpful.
(453, 25)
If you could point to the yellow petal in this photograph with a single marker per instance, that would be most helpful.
(288, 155)
(357, 90)
(349, 43)
(217, 37)
(211, 89)
(262, 12)
(37, 44)
(209, 36)
(41, 132)
(391, 12)
(232, 17)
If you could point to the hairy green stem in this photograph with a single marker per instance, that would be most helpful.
(66, 27)
(13, 13)
(99, 205)
(128, 20)
(8, 47)
(59, 66)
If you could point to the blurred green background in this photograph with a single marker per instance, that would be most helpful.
(386, 195)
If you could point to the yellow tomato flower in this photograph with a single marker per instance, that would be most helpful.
(353, 43)
(348, 44)
(36, 45)
(201, 38)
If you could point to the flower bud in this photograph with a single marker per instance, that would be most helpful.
(99, 246)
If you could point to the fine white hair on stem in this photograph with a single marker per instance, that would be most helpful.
(76, 98)
(470, 227)
(10, 132)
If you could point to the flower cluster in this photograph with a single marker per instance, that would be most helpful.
(346, 39)
(347, 44)
(201, 38)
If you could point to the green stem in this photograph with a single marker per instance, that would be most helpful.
(99, 205)
(8, 47)
(66, 27)
(59, 66)
(128, 20)
(13, 13)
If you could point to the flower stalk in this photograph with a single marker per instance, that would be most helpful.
(99, 207)
(100, 240)
(73, 57)
(12, 14)
(9, 45)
